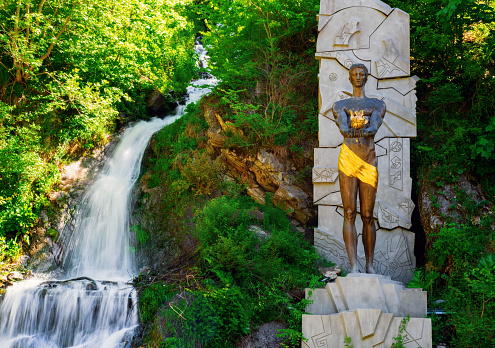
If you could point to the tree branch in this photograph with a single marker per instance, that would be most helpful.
(40, 8)
(43, 57)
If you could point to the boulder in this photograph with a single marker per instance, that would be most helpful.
(294, 201)
(264, 337)
(449, 203)
(160, 105)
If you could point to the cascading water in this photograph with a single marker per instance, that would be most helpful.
(83, 312)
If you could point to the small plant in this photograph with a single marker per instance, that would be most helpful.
(401, 338)
(347, 342)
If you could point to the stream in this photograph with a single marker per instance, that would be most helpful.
(92, 304)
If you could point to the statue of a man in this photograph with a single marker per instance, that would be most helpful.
(358, 119)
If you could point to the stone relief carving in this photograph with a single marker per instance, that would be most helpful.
(325, 174)
(349, 29)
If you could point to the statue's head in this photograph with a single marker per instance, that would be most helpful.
(358, 74)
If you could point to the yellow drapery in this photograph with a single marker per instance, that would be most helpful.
(353, 166)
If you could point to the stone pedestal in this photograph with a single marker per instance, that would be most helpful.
(374, 34)
(370, 310)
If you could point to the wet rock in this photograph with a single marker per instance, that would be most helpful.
(15, 276)
(159, 104)
(266, 171)
(264, 337)
(54, 197)
(216, 139)
(256, 193)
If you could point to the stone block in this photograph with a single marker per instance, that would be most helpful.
(368, 291)
(418, 332)
(337, 297)
(349, 29)
(322, 303)
(329, 134)
(391, 294)
(413, 303)
(390, 47)
(362, 293)
(329, 7)
(329, 331)
(368, 321)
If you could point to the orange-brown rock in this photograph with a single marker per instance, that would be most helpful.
(294, 201)
(216, 139)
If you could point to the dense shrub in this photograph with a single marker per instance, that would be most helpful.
(245, 278)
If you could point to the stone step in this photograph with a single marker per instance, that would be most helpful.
(367, 292)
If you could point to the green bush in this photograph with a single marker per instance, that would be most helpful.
(247, 279)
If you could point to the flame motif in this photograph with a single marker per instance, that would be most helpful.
(358, 120)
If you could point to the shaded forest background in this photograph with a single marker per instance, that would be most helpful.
(73, 72)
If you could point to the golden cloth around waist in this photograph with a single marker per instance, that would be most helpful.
(353, 166)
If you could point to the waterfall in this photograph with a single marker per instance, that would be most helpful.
(77, 310)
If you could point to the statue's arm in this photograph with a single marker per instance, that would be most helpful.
(376, 120)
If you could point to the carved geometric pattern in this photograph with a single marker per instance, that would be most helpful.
(396, 146)
(391, 64)
(396, 172)
(369, 309)
(325, 174)
(386, 328)
(407, 206)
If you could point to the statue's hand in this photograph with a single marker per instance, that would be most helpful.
(351, 133)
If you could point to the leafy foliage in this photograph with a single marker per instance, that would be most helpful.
(452, 51)
(67, 68)
(262, 51)
(247, 279)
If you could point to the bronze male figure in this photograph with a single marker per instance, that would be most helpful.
(359, 119)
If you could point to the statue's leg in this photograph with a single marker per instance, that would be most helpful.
(367, 195)
(348, 191)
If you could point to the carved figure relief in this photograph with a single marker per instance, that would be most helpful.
(349, 29)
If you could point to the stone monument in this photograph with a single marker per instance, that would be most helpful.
(367, 116)
(371, 33)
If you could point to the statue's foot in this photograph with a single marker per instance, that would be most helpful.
(354, 269)
(370, 270)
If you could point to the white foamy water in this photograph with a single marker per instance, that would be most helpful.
(82, 312)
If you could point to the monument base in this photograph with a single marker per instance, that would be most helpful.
(371, 310)
(394, 251)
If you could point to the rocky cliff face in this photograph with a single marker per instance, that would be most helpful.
(267, 172)
(457, 202)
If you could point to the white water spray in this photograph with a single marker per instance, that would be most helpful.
(82, 312)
